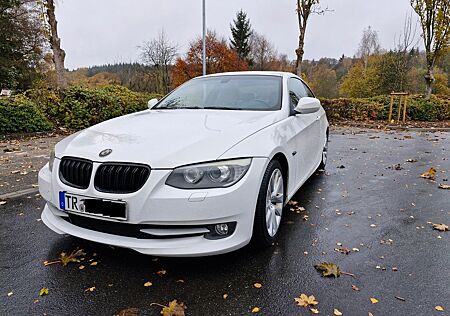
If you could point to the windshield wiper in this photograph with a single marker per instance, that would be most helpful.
(222, 108)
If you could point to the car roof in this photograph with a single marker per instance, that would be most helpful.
(253, 73)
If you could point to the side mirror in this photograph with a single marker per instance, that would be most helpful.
(307, 105)
(152, 103)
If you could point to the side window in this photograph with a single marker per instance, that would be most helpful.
(297, 90)
(308, 91)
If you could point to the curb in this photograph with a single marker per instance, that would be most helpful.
(17, 194)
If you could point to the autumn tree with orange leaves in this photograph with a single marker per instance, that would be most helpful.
(219, 58)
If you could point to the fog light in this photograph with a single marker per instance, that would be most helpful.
(221, 229)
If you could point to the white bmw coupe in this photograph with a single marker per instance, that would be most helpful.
(204, 171)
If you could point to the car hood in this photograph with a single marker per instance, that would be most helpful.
(166, 138)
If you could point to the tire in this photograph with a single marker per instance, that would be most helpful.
(323, 163)
(264, 234)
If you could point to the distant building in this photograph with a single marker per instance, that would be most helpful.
(5, 93)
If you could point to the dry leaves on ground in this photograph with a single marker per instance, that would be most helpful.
(337, 312)
(305, 300)
(174, 308)
(257, 285)
(256, 310)
(439, 308)
(440, 227)
(43, 291)
(328, 269)
(373, 300)
(444, 186)
(65, 259)
(132, 311)
(430, 174)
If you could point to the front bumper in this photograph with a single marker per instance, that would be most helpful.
(161, 205)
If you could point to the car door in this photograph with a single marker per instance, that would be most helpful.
(308, 128)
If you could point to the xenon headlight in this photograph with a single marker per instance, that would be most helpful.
(51, 160)
(218, 174)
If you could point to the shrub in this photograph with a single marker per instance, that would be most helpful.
(19, 114)
(418, 109)
(82, 107)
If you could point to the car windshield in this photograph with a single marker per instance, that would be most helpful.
(246, 92)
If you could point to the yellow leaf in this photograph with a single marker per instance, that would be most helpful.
(90, 289)
(430, 174)
(147, 284)
(337, 312)
(161, 272)
(81, 267)
(257, 285)
(314, 310)
(94, 263)
(328, 269)
(73, 257)
(439, 308)
(43, 291)
(305, 300)
(256, 310)
(373, 300)
(440, 227)
(174, 309)
(225, 296)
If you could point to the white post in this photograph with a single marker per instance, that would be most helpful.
(204, 38)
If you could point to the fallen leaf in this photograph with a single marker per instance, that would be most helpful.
(430, 174)
(373, 300)
(440, 227)
(132, 311)
(400, 298)
(43, 291)
(90, 289)
(439, 308)
(337, 312)
(94, 263)
(2, 202)
(147, 284)
(441, 186)
(305, 300)
(328, 269)
(225, 296)
(73, 257)
(10, 293)
(314, 310)
(161, 272)
(81, 267)
(174, 308)
(355, 288)
(257, 285)
(256, 310)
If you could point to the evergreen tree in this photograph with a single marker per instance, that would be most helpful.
(241, 30)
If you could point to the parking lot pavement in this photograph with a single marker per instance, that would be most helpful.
(371, 201)
(20, 160)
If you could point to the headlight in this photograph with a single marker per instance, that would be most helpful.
(218, 174)
(51, 160)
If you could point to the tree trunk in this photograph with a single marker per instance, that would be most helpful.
(300, 51)
(55, 43)
(429, 80)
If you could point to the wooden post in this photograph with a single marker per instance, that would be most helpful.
(390, 108)
(404, 109)
(399, 108)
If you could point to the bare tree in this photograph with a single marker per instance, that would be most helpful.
(59, 54)
(368, 46)
(434, 18)
(160, 53)
(262, 52)
(304, 9)
(404, 44)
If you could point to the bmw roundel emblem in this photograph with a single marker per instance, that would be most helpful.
(105, 152)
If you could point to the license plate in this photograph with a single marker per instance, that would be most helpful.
(98, 207)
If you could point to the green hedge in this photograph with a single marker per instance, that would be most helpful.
(82, 107)
(377, 108)
(22, 115)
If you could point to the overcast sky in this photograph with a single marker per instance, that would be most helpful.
(108, 31)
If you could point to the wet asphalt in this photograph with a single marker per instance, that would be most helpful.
(361, 200)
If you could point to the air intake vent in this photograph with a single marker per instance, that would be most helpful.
(121, 177)
(75, 172)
